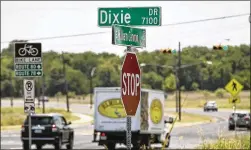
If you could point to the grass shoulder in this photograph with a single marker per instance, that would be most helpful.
(15, 116)
(239, 142)
(191, 118)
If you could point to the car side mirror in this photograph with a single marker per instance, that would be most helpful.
(69, 122)
(170, 120)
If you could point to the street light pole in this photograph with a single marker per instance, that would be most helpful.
(178, 76)
(91, 88)
(65, 83)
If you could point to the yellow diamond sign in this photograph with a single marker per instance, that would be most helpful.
(234, 87)
(234, 99)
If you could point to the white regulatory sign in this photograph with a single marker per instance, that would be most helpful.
(29, 90)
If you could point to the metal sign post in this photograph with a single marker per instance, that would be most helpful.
(29, 117)
(235, 115)
(129, 132)
(29, 104)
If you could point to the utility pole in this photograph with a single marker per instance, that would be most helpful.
(11, 90)
(65, 84)
(38, 92)
(176, 81)
(43, 90)
(91, 88)
(179, 64)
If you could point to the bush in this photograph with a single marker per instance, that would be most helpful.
(240, 142)
(71, 95)
(58, 94)
(182, 88)
(195, 86)
(206, 94)
(220, 93)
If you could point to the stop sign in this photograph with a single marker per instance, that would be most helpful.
(130, 83)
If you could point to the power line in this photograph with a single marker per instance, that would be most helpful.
(172, 24)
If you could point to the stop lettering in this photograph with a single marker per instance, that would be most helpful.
(131, 83)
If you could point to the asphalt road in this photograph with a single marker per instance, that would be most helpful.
(181, 137)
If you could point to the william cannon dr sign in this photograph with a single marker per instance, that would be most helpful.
(133, 16)
(128, 36)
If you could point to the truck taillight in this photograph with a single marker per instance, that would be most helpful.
(22, 128)
(53, 128)
(246, 118)
(102, 134)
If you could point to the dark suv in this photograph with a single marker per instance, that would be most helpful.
(47, 129)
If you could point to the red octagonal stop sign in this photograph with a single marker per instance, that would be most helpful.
(130, 83)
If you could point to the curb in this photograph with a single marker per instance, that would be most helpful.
(84, 119)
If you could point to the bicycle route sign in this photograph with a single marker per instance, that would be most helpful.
(28, 60)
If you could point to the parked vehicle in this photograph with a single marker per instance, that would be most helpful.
(47, 129)
(210, 105)
(241, 118)
(148, 125)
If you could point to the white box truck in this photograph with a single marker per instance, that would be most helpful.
(148, 125)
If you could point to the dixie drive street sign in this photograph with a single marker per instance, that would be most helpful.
(128, 36)
(133, 16)
(130, 83)
(28, 60)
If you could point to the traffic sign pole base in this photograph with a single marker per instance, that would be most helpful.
(129, 132)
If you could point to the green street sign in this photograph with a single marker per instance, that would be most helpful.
(128, 36)
(29, 73)
(28, 66)
(133, 16)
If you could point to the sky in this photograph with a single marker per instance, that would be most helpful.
(36, 19)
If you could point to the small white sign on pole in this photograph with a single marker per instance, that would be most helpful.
(29, 90)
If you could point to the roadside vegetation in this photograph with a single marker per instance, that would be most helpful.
(15, 116)
(192, 118)
(239, 142)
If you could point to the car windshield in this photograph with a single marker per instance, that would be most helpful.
(211, 104)
(240, 115)
(40, 120)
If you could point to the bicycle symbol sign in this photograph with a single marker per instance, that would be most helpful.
(28, 86)
(28, 49)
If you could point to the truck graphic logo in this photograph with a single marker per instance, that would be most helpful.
(112, 108)
(156, 111)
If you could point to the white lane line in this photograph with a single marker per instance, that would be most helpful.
(5, 142)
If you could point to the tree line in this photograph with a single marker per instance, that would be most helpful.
(233, 63)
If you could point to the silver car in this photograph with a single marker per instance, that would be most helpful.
(242, 119)
(210, 105)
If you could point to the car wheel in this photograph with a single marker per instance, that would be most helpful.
(231, 127)
(136, 146)
(25, 145)
(58, 144)
(39, 146)
(69, 146)
(111, 146)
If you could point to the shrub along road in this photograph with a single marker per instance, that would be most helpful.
(188, 136)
